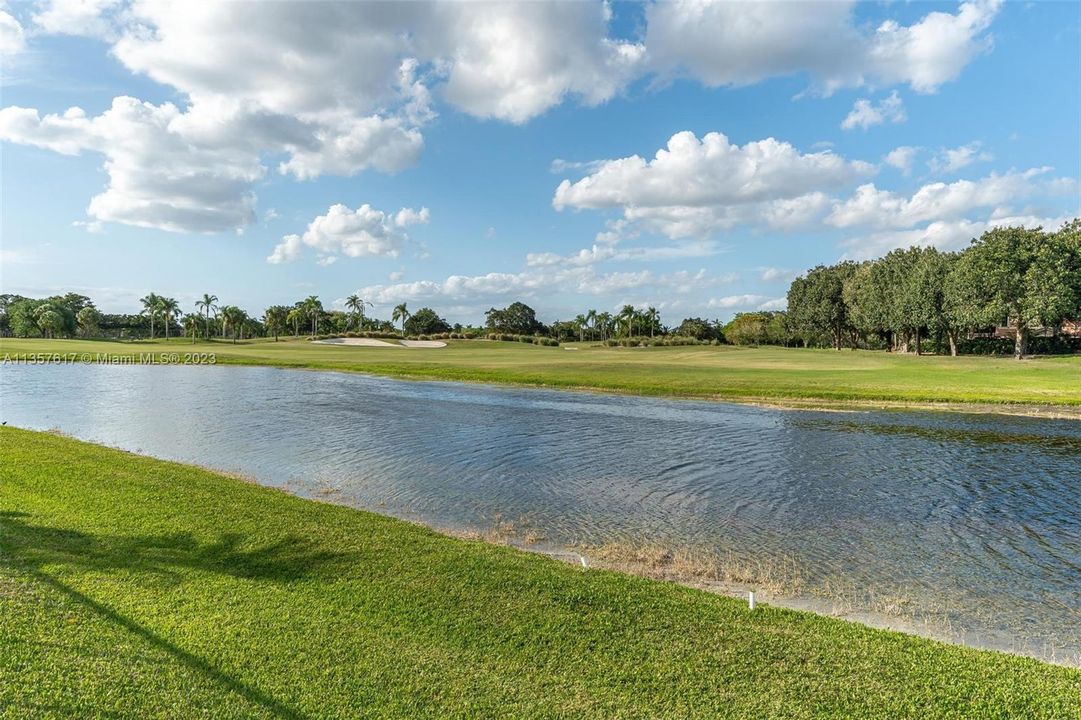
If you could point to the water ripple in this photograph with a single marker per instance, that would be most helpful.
(980, 514)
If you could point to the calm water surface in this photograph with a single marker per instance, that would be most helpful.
(972, 520)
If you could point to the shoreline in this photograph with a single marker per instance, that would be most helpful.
(119, 564)
(769, 593)
(790, 403)
(788, 392)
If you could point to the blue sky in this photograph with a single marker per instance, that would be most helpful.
(465, 156)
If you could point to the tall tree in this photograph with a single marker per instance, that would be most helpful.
(356, 305)
(49, 319)
(232, 320)
(276, 319)
(170, 308)
(401, 313)
(626, 317)
(816, 302)
(89, 319)
(604, 321)
(313, 309)
(191, 324)
(580, 323)
(425, 322)
(654, 318)
(296, 314)
(151, 308)
(1023, 278)
(207, 304)
(517, 318)
(926, 290)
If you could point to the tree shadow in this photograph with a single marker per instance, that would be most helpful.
(33, 548)
(283, 560)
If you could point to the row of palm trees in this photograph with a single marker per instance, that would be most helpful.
(233, 319)
(156, 306)
(278, 319)
(629, 322)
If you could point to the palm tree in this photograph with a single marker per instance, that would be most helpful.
(313, 309)
(351, 303)
(294, 318)
(232, 318)
(626, 316)
(581, 321)
(207, 304)
(591, 318)
(357, 304)
(401, 312)
(191, 324)
(604, 319)
(226, 315)
(654, 319)
(276, 319)
(169, 308)
(151, 308)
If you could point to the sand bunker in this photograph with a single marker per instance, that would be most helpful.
(372, 342)
(364, 342)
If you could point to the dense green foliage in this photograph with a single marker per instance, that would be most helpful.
(1009, 281)
(1025, 281)
(425, 322)
(758, 328)
(132, 587)
(517, 318)
(699, 329)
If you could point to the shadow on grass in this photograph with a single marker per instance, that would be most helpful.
(34, 547)
(164, 554)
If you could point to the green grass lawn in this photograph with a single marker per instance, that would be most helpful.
(767, 374)
(132, 587)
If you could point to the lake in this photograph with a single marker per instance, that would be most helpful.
(966, 527)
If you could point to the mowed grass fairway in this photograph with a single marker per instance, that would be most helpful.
(766, 374)
(132, 587)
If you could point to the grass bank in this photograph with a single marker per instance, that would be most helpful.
(132, 587)
(769, 375)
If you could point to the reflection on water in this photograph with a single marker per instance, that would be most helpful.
(977, 518)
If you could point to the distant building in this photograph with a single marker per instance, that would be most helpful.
(1069, 328)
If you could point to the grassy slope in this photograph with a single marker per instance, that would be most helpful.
(725, 372)
(134, 587)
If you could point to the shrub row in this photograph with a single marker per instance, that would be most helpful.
(441, 336)
(374, 334)
(528, 339)
(666, 341)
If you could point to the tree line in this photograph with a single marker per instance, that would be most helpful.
(1010, 283)
(75, 315)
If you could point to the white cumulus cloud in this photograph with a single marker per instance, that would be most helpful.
(866, 113)
(949, 160)
(12, 37)
(729, 43)
(942, 234)
(774, 274)
(876, 208)
(902, 158)
(157, 177)
(76, 17)
(353, 233)
(736, 301)
(693, 186)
